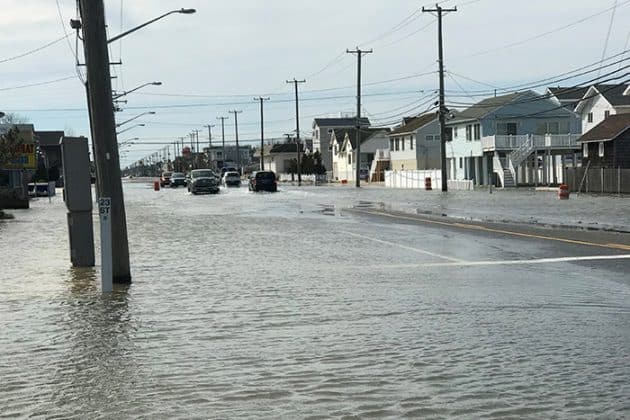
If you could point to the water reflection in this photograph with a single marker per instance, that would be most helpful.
(98, 367)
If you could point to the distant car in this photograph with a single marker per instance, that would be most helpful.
(228, 169)
(364, 174)
(165, 179)
(203, 181)
(177, 179)
(231, 179)
(263, 181)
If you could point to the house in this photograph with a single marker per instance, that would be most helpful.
(607, 145)
(279, 157)
(600, 101)
(415, 144)
(344, 147)
(506, 135)
(220, 156)
(567, 97)
(322, 131)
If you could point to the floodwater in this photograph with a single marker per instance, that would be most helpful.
(284, 306)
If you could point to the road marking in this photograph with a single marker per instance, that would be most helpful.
(409, 248)
(494, 230)
(507, 262)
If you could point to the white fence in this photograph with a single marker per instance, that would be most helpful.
(413, 179)
(416, 180)
(312, 179)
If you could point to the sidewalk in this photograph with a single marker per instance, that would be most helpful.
(522, 205)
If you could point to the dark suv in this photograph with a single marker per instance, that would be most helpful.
(203, 181)
(263, 181)
(165, 179)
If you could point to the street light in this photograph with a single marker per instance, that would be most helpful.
(131, 140)
(136, 117)
(182, 11)
(120, 95)
(130, 128)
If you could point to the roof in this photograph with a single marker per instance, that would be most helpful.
(366, 134)
(609, 129)
(340, 122)
(485, 107)
(49, 138)
(614, 94)
(285, 148)
(413, 123)
(568, 94)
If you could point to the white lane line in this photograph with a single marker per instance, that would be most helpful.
(418, 250)
(508, 262)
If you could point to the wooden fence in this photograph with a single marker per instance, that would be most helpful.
(598, 180)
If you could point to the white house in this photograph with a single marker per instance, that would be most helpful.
(415, 144)
(343, 149)
(521, 137)
(278, 157)
(322, 136)
(600, 101)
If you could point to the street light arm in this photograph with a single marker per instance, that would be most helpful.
(127, 129)
(136, 117)
(133, 90)
(117, 37)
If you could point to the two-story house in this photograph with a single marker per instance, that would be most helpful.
(601, 101)
(521, 137)
(322, 133)
(415, 144)
(343, 147)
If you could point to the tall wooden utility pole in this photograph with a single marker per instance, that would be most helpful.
(262, 132)
(238, 150)
(357, 160)
(297, 128)
(442, 111)
(223, 136)
(104, 130)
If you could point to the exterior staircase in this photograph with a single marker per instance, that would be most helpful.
(522, 152)
(508, 179)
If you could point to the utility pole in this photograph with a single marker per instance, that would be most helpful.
(210, 134)
(238, 150)
(223, 135)
(195, 138)
(442, 111)
(262, 132)
(297, 128)
(357, 159)
(103, 127)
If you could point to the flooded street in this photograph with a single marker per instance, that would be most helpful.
(285, 305)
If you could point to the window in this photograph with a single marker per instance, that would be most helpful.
(454, 132)
(461, 163)
(391, 144)
(585, 150)
(601, 149)
(606, 114)
(589, 118)
(349, 158)
(403, 144)
(397, 142)
(469, 132)
(429, 137)
(477, 129)
(506, 129)
(437, 137)
(411, 141)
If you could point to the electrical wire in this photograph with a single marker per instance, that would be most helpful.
(49, 82)
(33, 51)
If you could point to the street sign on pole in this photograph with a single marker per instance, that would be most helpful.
(104, 210)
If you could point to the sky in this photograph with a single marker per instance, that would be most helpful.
(218, 59)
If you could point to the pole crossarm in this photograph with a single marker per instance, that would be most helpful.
(183, 11)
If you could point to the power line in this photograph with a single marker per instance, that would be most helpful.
(33, 51)
(612, 19)
(49, 82)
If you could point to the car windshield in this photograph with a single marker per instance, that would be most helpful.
(177, 175)
(232, 174)
(202, 174)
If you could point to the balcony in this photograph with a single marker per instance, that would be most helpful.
(540, 142)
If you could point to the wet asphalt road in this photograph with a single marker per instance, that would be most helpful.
(314, 303)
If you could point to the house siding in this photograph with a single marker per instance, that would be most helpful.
(598, 106)
(616, 153)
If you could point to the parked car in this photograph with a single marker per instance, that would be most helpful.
(263, 181)
(231, 179)
(203, 181)
(177, 179)
(165, 179)
(364, 174)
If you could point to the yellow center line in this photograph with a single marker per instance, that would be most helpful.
(494, 230)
